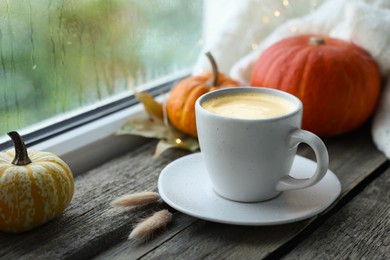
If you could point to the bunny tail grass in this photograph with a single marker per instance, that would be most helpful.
(150, 226)
(136, 199)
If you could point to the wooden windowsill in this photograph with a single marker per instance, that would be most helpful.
(90, 227)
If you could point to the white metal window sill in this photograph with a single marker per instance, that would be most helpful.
(94, 143)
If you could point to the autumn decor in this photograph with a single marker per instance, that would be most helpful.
(154, 124)
(181, 101)
(150, 226)
(35, 187)
(173, 122)
(337, 81)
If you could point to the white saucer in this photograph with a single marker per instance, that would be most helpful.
(185, 186)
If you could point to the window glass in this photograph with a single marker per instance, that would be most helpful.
(60, 55)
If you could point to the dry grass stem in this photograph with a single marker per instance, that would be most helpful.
(136, 199)
(150, 226)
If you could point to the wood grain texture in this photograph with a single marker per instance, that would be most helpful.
(360, 230)
(90, 225)
(91, 228)
(353, 158)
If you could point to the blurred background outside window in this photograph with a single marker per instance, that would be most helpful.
(57, 56)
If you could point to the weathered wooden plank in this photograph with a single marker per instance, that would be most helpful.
(353, 158)
(89, 224)
(360, 230)
(346, 153)
(140, 248)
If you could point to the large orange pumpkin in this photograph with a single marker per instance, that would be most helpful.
(337, 81)
(182, 98)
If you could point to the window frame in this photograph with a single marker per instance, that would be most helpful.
(87, 138)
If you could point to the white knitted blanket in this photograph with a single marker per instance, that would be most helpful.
(231, 39)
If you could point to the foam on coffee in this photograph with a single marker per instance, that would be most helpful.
(249, 105)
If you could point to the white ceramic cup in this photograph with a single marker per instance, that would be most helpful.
(249, 160)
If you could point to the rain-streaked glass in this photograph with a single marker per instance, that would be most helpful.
(59, 55)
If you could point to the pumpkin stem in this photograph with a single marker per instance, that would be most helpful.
(21, 155)
(214, 79)
(316, 40)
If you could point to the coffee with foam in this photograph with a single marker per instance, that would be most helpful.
(249, 105)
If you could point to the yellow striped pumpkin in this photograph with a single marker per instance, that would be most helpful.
(35, 187)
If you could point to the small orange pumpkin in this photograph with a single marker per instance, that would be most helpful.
(182, 97)
(337, 81)
(35, 187)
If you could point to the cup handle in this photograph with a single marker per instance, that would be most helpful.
(302, 136)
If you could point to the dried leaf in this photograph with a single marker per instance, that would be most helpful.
(189, 143)
(157, 126)
(161, 147)
(136, 199)
(150, 226)
(151, 106)
(146, 127)
(169, 136)
(186, 143)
